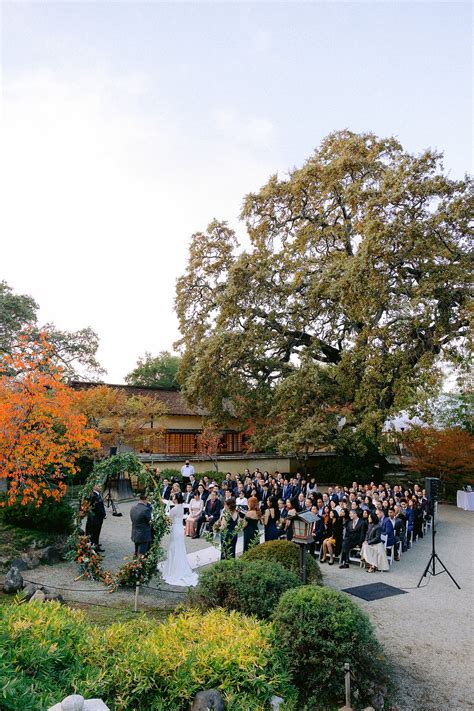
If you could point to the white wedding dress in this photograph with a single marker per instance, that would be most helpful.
(176, 569)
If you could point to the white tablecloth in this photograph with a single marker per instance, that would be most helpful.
(465, 500)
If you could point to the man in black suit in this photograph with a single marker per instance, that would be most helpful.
(166, 490)
(353, 536)
(188, 494)
(211, 513)
(140, 515)
(95, 517)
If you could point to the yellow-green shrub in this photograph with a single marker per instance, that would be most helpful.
(163, 666)
(48, 651)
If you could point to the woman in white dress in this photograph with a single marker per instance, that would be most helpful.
(176, 569)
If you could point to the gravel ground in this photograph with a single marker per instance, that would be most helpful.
(427, 633)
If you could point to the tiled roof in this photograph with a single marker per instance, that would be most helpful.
(173, 401)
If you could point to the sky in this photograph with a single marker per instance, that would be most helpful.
(127, 126)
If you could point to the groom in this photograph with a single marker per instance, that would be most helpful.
(141, 525)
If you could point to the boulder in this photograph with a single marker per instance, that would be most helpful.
(55, 597)
(29, 590)
(210, 700)
(75, 702)
(19, 564)
(50, 555)
(38, 596)
(13, 581)
(95, 705)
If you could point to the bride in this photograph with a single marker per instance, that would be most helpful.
(176, 569)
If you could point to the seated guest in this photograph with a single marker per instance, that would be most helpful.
(188, 494)
(333, 540)
(373, 550)
(196, 506)
(203, 493)
(354, 531)
(211, 513)
(397, 531)
(386, 528)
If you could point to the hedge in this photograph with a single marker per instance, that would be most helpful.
(286, 554)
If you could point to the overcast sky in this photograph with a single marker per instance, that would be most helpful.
(126, 127)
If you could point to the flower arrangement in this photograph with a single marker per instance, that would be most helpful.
(88, 559)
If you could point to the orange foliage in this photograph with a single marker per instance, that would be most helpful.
(447, 453)
(123, 418)
(41, 432)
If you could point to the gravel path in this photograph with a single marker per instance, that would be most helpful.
(427, 633)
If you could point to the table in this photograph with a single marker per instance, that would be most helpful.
(465, 500)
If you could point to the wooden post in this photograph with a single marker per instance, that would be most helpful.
(137, 586)
(347, 670)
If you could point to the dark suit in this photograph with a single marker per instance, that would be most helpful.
(354, 535)
(95, 517)
(212, 510)
(386, 528)
(166, 492)
(140, 515)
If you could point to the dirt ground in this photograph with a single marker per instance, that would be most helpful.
(427, 633)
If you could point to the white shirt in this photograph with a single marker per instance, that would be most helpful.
(187, 470)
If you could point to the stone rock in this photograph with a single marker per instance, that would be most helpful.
(75, 702)
(13, 581)
(4, 561)
(38, 596)
(95, 705)
(210, 700)
(55, 597)
(369, 708)
(19, 564)
(29, 590)
(50, 555)
(276, 702)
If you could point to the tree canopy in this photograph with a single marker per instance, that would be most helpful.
(42, 434)
(356, 280)
(74, 351)
(155, 371)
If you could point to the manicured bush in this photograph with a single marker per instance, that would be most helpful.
(50, 516)
(319, 630)
(251, 587)
(287, 554)
(41, 650)
(48, 652)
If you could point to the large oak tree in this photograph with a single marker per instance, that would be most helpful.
(358, 268)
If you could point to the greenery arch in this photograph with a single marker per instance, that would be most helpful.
(137, 569)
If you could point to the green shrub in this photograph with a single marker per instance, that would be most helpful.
(41, 650)
(48, 651)
(251, 587)
(319, 630)
(50, 516)
(171, 474)
(287, 554)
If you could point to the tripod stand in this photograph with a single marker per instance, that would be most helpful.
(431, 567)
(109, 502)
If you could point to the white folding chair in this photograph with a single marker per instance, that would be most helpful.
(389, 551)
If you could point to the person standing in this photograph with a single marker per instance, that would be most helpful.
(187, 470)
(95, 517)
(140, 515)
(252, 519)
(354, 530)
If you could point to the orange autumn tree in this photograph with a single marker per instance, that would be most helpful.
(42, 434)
(122, 417)
(444, 453)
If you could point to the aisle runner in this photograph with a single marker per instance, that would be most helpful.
(211, 554)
